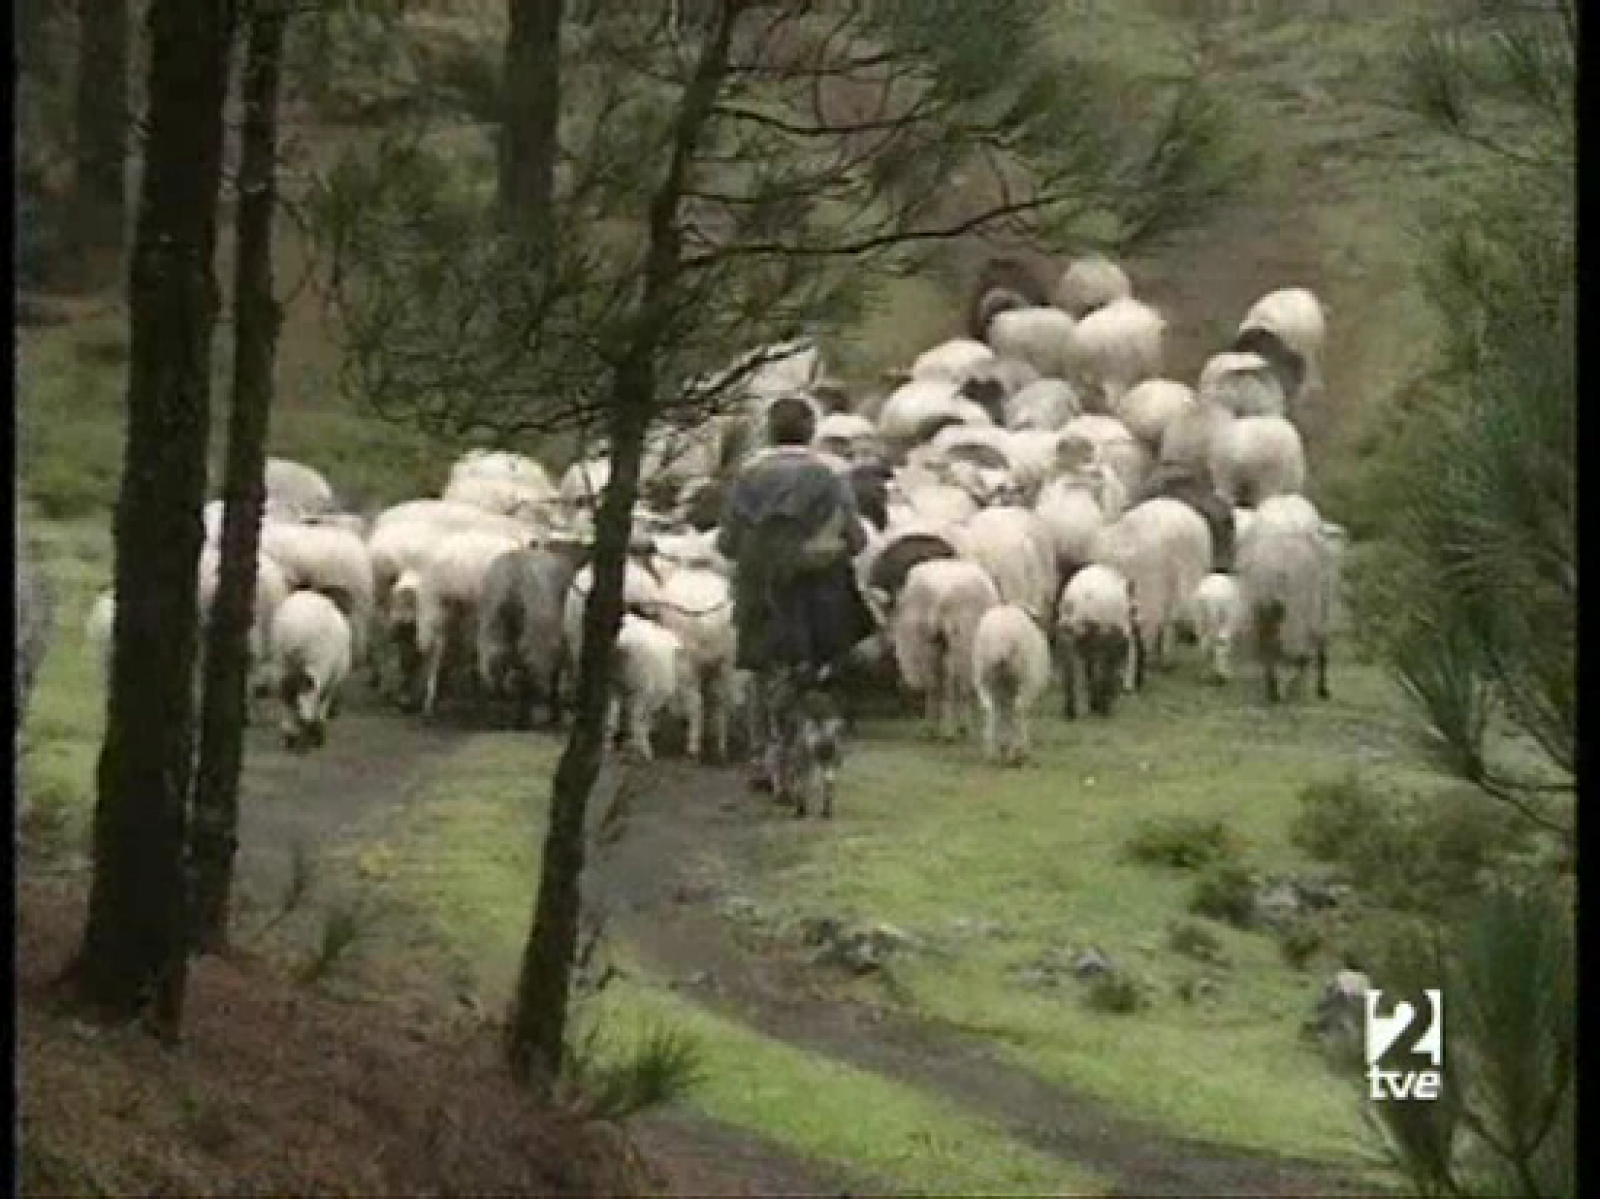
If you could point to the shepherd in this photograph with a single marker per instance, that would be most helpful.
(790, 527)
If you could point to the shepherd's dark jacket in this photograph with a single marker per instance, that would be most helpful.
(790, 527)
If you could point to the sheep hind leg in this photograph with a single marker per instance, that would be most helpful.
(721, 701)
(991, 725)
(1069, 678)
(641, 719)
(1322, 670)
(434, 667)
(693, 702)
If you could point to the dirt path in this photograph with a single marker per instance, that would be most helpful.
(349, 792)
(668, 917)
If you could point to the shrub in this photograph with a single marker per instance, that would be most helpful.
(1194, 940)
(1226, 892)
(1182, 842)
(1408, 852)
(1300, 941)
(663, 1066)
(1114, 991)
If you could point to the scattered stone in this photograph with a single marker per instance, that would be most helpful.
(1090, 964)
(1319, 894)
(1341, 1007)
(686, 893)
(1194, 940)
(740, 907)
(1193, 990)
(861, 949)
(971, 926)
(820, 930)
(1278, 904)
(1116, 991)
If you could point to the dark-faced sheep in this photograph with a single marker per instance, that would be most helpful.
(521, 645)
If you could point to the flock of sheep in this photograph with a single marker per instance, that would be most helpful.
(1037, 498)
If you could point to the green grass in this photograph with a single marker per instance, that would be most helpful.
(928, 836)
(467, 858)
(843, 1114)
(61, 741)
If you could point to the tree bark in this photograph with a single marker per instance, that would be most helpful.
(532, 97)
(256, 322)
(133, 959)
(101, 114)
(537, 1036)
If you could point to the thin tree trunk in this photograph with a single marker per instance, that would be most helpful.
(537, 1036)
(133, 960)
(101, 115)
(532, 114)
(256, 321)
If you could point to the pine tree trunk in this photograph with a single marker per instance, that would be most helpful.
(256, 323)
(539, 1020)
(532, 98)
(536, 1039)
(101, 113)
(133, 960)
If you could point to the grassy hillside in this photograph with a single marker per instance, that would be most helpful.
(927, 837)
(1341, 183)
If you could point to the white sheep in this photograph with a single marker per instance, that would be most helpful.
(951, 361)
(1256, 457)
(294, 489)
(649, 661)
(1074, 517)
(1219, 622)
(1287, 577)
(1015, 546)
(504, 464)
(1114, 444)
(1114, 348)
(1010, 670)
(917, 410)
(1097, 634)
(1244, 384)
(1048, 404)
(1288, 511)
(1035, 459)
(311, 652)
(846, 434)
(98, 628)
(328, 559)
(211, 516)
(403, 540)
(1296, 318)
(583, 483)
(502, 495)
(1041, 337)
(1012, 374)
(923, 499)
(1191, 436)
(1089, 283)
(521, 644)
(1295, 513)
(697, 605)
(1163, 548)
(272, 588)
(448, 589)
(689, 550)
(1150, 407)
(641, 593)
(934, 622)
